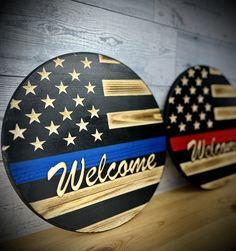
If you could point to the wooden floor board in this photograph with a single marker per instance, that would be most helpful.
(183, 219)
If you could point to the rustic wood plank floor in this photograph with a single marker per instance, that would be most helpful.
(183, 219)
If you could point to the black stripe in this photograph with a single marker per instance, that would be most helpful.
(100, 211)
(212, 175)
(219, 102)
(42, 189)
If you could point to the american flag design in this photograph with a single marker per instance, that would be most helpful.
(83, 142)
(200, 114)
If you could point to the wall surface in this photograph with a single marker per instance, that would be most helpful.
(157, 39)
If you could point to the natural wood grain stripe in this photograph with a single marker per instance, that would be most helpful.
(113, 222)
(217, 183)
(225, 113)
(211, 163)
(134, 118)
(214, 71)
(106, 60)
(129, 87)
(55, 206)
(223, 91)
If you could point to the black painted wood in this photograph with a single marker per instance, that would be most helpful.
(200, 114)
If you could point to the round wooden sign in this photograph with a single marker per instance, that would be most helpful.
(200, 113)
(83, 142)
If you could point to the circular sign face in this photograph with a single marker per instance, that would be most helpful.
(200, 113)
(83, 142)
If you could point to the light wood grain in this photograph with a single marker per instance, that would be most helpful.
(214, 71)
(184, 219)
(134, 87)
(225, 113)
(56, 206)
(134, 118)
(207, 164)
(106, 60)
(223, 91)
(217, 183)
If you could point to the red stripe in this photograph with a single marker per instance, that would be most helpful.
(180, 143)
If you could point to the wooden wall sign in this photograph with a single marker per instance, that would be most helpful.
(83, 142)
(200, 113)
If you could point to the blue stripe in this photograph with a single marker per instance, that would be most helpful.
(30, 170)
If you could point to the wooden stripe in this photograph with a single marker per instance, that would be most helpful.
(129, 87)
(56, 206)
(214, 71)
(113, 222)
(223, 91)
(217, 183)
(106, 60)
(225, 113)
(211, 163)
(134, 118)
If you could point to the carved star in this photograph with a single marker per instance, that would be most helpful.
(200, 99)
(173, 118)
(78, 100)
(97, 135)
(204, 73)
(191, 73)
(52, 128)
(180, 108)
(48, 101)
(90, 87)
(208, 107)
(94, 112)
(44, 74)
(184, 81)
(18, 132)
(178, 90)
(209, 123)
(15, 104)
(62, 87)
(82, 125)
(59, 62)
(33, 116)
(171, 100)
(66, 114)
(198, 81)
(206, 90)
(70, 139)
(86, 63)
(38, 144)
(29, 88)
(202, 116)
(192, 90)
(196, 125)
(182, 127)
(194, 108)
(74, 75)
(188, 117)
(186, 99)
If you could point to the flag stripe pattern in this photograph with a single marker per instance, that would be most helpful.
(201, 120)
(134, 118)
(125, 88)
(223, 91)
(83, 142)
